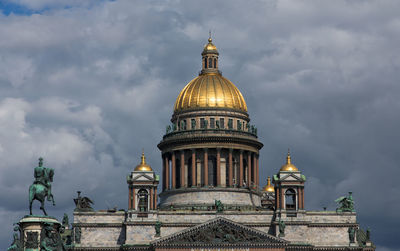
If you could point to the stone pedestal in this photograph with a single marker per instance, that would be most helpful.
(35, 229)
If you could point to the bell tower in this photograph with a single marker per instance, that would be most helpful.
(289, 189)
(142, 183)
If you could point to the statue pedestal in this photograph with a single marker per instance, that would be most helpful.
(33, 230)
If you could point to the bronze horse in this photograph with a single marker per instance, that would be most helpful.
(40, 190)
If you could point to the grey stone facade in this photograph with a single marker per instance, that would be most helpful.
(319, 229)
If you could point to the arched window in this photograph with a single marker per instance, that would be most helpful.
(212, 171)
(210, 62)
(143, 198)
(205, 62)
(290, 199)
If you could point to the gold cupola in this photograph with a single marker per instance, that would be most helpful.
(143, 165)
(210, 89)
(269, 188)
(289, 167)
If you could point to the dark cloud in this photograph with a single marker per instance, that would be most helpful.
(89, 86)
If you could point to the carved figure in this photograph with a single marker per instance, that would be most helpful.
(157, 227)
(351, 232)
(50, 239)
(239, 126)
(219, 206)
(346, 203)
(193, 124)
(65, 220)
(368, 237)
(77, 235)
(17, 244)
(168, 129)
(220, 233)
(205, 124)
(182, 125)
(83, 203)
(41, 187)
(282, 227)
(174, 127)
(217, 124)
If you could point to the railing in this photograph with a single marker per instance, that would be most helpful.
(209, 131)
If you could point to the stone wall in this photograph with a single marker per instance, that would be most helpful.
(112, 229)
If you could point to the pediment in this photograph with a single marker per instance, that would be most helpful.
(142, 177)
(219, 232)
(291, 177)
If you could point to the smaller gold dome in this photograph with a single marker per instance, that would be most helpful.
(143, 165)
(269, 188)
(289, 167)
(210, 47)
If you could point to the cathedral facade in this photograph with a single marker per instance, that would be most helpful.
(211, 197)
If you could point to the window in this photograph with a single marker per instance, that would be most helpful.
(183, 125)
(143, 198)
(193, 126)
(212, 123)
(222, 123)
(202, 123)
(205, 62)
(215, 63)
(290, 199)
(239, 125)
(230, 123)
(210, 63)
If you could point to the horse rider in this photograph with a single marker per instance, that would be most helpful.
(42, 177)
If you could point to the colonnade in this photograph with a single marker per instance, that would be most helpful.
(210, 167)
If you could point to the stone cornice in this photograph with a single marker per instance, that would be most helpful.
(97, 224)
(210, 138)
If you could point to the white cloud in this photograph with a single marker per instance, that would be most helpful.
(89, 85)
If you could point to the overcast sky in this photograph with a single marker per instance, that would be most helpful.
(88, 84)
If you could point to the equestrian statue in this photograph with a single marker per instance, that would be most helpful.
(41, 187)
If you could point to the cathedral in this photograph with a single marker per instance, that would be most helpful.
(210, 196)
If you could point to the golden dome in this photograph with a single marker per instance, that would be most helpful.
(210, 90)
(143, 165)
(269, 188)
(289, 167)
(210, 47)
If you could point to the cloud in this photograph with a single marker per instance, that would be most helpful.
(87, 85)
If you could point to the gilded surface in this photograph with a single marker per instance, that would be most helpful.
(143, 165)
(209, 91)
(269, 188)
(289, 167)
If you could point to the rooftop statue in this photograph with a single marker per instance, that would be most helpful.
(83, 203)
(41, 187)
(346, 203)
